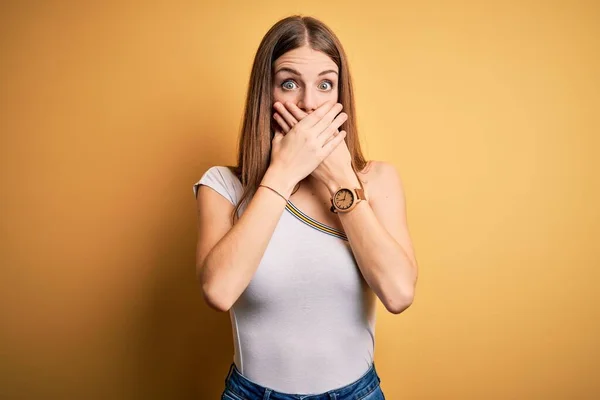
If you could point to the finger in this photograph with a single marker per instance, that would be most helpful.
(295, 111)
(330, 138)
(333, 143)
(333, 126)
(325, 136)
(311, 119)
(286, 128)
(287, 116)
(329, 117)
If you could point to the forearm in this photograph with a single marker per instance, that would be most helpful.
(233, 261)
(385, 265)
(382, 261)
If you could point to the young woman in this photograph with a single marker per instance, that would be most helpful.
(301, 237)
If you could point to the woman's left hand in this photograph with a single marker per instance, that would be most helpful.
(336, 166)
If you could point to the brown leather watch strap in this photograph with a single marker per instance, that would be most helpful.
(360, 193)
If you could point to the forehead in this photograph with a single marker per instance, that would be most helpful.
(305, 60)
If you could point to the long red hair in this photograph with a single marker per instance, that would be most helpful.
(254, 148)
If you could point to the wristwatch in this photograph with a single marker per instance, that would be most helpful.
(345, 199)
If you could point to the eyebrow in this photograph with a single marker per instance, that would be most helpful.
(293, 71)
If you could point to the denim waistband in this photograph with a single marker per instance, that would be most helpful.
(246, 389)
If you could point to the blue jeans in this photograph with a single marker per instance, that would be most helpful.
(238, 387)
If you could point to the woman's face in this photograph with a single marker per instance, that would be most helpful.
(305, 77)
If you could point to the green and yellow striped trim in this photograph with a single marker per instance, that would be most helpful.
(314, 223)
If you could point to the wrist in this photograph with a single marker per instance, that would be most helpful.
(279, 181)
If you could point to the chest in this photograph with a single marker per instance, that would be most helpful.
(302, 266)
(316, 204)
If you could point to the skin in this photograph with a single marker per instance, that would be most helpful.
(228, 255)
(305, 79)
(377, 229)
(310, 90)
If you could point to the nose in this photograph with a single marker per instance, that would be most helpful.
(308, 101)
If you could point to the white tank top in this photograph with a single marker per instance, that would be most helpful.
(306, 322)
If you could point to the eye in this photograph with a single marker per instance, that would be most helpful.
(324, 84)
(288, 85)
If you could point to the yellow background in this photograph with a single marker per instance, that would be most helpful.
(110, 111)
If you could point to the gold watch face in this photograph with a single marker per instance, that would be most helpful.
(343, 199)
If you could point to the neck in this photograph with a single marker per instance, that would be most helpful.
(313, 185)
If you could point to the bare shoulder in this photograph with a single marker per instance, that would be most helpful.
(381, 180)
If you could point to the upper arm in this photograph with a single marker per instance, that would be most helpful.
(214, 221)
(388, 202)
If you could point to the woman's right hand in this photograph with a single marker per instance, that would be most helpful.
(296, 154)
